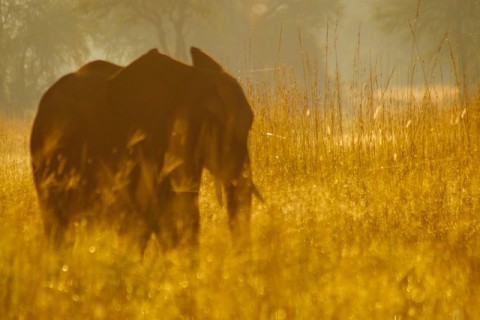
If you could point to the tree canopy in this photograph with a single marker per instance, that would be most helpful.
(37, 40)
(41, 40)
(166, 23)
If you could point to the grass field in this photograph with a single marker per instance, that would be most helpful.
(372, 211)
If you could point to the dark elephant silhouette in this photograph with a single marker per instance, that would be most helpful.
(125, 147)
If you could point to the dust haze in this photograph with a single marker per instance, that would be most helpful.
(419, 43)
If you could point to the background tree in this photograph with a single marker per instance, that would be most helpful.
(230, 30)
(164, 24)
(39, 40)
(456, 22)
(276, 28)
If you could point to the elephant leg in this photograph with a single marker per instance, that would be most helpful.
(138, 200)
(138, 230)
(179, 220)
(179, 225)
(54, 229)
(57, 209)
(239, 202)
(55, 220)
(166, 230)
(63, 193)
(186, 216)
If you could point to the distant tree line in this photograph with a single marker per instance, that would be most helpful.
(447, 31)
(40, 40)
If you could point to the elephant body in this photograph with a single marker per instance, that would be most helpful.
(126, 147)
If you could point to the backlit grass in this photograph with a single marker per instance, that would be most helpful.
(372, 211)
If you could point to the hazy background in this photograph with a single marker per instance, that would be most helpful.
(419, 42)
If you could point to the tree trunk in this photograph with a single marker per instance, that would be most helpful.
(162, 41)
(180, 46)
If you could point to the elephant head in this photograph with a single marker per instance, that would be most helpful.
(228, 159)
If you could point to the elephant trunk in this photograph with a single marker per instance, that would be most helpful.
(239, 205)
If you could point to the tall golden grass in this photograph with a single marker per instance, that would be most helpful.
(372, 211)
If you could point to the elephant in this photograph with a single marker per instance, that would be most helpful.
(125, 147)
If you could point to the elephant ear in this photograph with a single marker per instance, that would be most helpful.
(226, 99)
(213, 101)
(203, 61)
